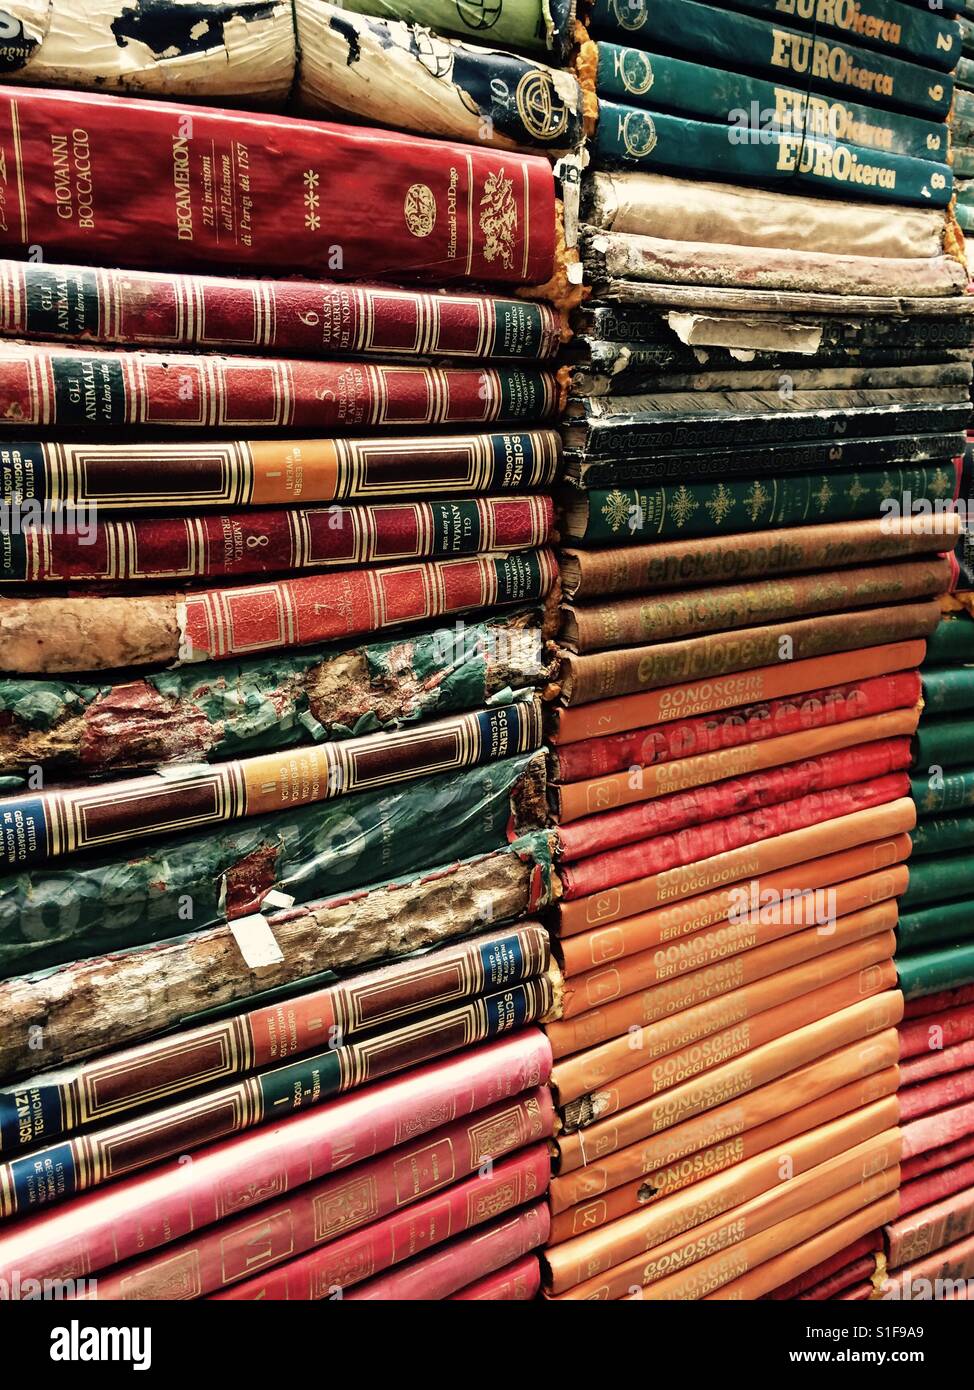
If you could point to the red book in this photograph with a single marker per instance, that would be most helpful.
(150, 1210)
(339, 1265)
(686, 738)
(937, 1003)
(266, 542)
(937, 1063)
(437, 1275)
(41, 386)
(105, 180)
(864, 1246)
(92, 305)
(666, 814)
(699, 842)
(934, 1187)
(847, 1280)
(931, 1228)
(327, 1212)
(938, 1094)
(945, 1156)
(935, 1130)
(936, 1030)
(516, 1283)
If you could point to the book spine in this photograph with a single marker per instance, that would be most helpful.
(632, 862)
(234, 544)
(632, 77)
(343, 1263)
(723, 786)
(89, 304)
(859, 1256)
(938, 834)
(249, 192)
(43, 1108)
(944, 1160)
(785, 54)
(107, 633)
(952, 790)
(703, 1056)
(930, 971)
(750, 555)
(271, 472)
(722, 1092)
(949, 1059)
(946, 1029)
(378, 71)
(939, 1094)
(765, 856)
(524, 25)
(518, 1282)
(951, 1266)
(943, 742)
(436, 1276)
(632, 137)
(71, 388)
(598, 675)
(708, 509)
(661, 744)
(51, 824)
(681, 702)
(143, 1213)
(886, 25)
(955, 998)
(948, 691)
(52, 1174)
(869, 875)
(943, 924)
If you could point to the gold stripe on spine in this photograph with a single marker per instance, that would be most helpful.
(469, 214)
(19, 164)
(527, 220)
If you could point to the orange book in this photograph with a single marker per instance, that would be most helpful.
(639, 1258)
(820, 999)
(738, 942)
(875, 1096)
(861, 876)
(749, 861)
(574, 800)
(809, 1248)
(730, 1081)
(615, 716)
(823, 959)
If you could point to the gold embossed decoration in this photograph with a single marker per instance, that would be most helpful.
(498, 219)
(543, 114)
(419, 208)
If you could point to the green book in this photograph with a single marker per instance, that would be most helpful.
(942, 834)
(954, 791)
(632, 137)
(887, 25)
(947, 742)
(930, 926)
(633, 77)
(623, 516)
(948, 689)
(928, 972)
(939, 880)
(953, 641)
(532, 26)
(964, 161)
(965, 216)
(706, 34)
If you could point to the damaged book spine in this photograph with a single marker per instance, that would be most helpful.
(88, 304)
(266, 192)
(887, 25)
(50, 1105)
(50, 824)
(52, 1174)
(532, 26)
(226, 545)
(74, 389)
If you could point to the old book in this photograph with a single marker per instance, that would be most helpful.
(926, 972)
(940, 1093)
(944, 742)
(660, 617)
(434, 907)
(887, 25)
(50, 1104)
(857, 1261)
(939, 925)
(937, 1030)
(940, 834)
(77, 388)
(390, 73)
(609, 256)
(615, 716)
(731, 1080)
(750, 862)
(954, 640)
(50, 824)
(93, 305)
(518, 1282)
(586, 678)
(948, 690)
(937, 1063)
(728, 40)
(660, 854)
(934, 880)
(946, 1269)
(943, 1159)
(240, 707)
(588, 574)
(204, 187)
(835, 1172)
(954, 998)
(142, 1213)
(634, 77)
(617, 810)
(326, 1271)
(924, 1193)
(107, 632)
(87, 1161)
(526, 25)
(658, 745)
(950, 789)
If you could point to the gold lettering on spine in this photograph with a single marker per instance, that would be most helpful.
(183, 192)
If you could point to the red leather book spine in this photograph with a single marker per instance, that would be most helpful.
(700, 842)
(938, 1003)
(99, 390)
(667, 814)
(321, 608)
(937, 1062)
(145, 1212)
(930, 1228)
(864, 1247)
(266, 542)
(934, 1187)
(437, 1275)
(339, 1265)
(92, 305)
(852, 1281)
(938, 1094)
(516, 1283)
(204, 187)
(946, 1156)
(935, 1130)
(937, 1030)
(686, 738)
(327, 1212)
